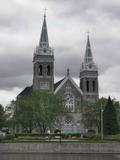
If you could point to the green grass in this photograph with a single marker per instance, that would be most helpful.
(33, 139)
(63, 142)
(115, 138)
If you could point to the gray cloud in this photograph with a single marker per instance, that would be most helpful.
(71, 60)
(87, 10)
(15, 61)
(68, 21)
(18, 81)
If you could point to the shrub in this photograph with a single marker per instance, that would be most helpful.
(1, 139)
(92, 131)
(63, 135)
(30, 134)
(9, 137)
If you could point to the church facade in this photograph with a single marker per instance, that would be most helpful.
(74, 95)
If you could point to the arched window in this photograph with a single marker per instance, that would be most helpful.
(48, 70)
(69, 101)
(40, 70)
(93, 86)
(87, 86)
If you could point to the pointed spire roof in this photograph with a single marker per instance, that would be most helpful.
(44, 42)
(88, 53)
(68, 72)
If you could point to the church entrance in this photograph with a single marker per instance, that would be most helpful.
(70, 127)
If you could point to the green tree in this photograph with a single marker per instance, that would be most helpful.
(117, 108)
(23, 114)
(110, 123)
(40, 109)
(92, 113)
(2, 116)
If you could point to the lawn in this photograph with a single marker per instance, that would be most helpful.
(69, 140)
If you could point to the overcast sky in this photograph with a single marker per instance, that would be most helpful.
(68, 22)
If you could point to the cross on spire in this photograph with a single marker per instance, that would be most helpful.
(88, 33)
(45, 12)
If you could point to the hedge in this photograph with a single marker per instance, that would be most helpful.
(63, 135)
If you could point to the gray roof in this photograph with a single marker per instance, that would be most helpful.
(26, 91)
(63, 81)
(44, 42)
(88, 53)
(58, 83)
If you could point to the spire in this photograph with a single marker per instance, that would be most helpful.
(68, 72)
(88, 53)
(44, 34)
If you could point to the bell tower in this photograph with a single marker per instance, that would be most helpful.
(89, 75)
(43, 62)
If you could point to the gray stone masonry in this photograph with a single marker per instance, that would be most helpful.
(99, 148)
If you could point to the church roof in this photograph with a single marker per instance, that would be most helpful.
(58, 83)
(44, 42)
(64, 80)
(57, 86)
(25, 92)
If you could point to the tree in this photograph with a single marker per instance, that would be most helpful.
(9, 111)
(91, 117)
(23, 114)
(110, 124)
(40, 109)
(2, 116)
(117, 108)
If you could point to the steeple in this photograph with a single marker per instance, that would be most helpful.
(43, 48)
(89, 75)
(44, 42)
(88, 53)
(43, 62)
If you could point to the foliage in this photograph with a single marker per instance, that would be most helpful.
(2, 116)
(39, 110)
(112, 137)
(9, 111)
(91, 113)
(1, 139)
(117, 108)
(110, 118)
(53, 135)
(30, 134)
(9, 137)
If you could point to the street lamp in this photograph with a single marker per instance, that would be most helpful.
(101, 122)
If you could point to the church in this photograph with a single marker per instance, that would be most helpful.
(74, 95)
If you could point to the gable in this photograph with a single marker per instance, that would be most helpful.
(68, 82)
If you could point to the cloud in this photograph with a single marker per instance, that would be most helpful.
(77, 7)
(9, 83)
(109, 82)
(68, 21)
(7, 96)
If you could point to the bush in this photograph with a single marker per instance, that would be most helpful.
(9, 137)
(30, 138)
(92, 131)
(74, 134)
(1, 138)
(63, 135)
(30, 134)
(67, 135)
